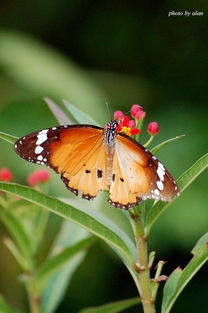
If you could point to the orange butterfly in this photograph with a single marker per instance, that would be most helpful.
(90, 159)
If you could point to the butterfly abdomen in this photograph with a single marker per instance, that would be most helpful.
(109, 140)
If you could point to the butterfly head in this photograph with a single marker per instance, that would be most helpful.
(110, 132)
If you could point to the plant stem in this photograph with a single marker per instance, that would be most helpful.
(149, 141)
(34, 297)
(142, 265)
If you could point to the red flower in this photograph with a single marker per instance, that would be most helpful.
(127, 126)
(135, 131)
(5, 174)
(39, 176)
(135, 108)
(125, 122)
(153, 128)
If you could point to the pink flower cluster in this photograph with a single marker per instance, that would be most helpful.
(128, 126)
(5, 174)
(39, 176)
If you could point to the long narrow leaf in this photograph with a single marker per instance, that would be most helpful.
(113, 307)
(164, 143)
(54, 263)
(8, 138)
(49, 72)
(171, 286)
(69, 235)
(201, 242)
(189, 271)
(184, 181)
(74, 214)
(79, 116)
(59, 114)
(18, 234)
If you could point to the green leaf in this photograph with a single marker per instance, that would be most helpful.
(171, 286)
(79, 116)
(185, 276)
(54, 263)
(16, 253)
(48, 72)
(18, 234)
(60, 115)
(164, 143)
(68, 235)
(87, 219)
(113, 307)
(184, 181)
(9, 138)
(201, 242)
(5, 308)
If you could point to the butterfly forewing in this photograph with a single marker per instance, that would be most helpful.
(76, 152)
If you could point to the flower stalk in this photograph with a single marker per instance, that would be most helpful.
(142, 265)
(34, 297)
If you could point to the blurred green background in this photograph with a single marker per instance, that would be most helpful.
(123, 52)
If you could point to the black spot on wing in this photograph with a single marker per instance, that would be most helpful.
(99, 173)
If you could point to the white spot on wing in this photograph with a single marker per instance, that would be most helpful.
(41, 138)
(40, 157)
(159, 185)
(156, 192)
(38, 149)
(161, 173)
(161, 166)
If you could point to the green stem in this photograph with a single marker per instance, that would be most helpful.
(40, 228)
(34, 297)
(139, 125)
(156, 281)
(142, 265)
(149, 141)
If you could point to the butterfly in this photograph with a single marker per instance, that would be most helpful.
(90, 158)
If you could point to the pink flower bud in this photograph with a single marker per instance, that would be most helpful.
(37, 177)
(153, 128)
(162, 278)
(135, 108)
(5, 174)
(132, 124)
(118, 115)
(139, 114)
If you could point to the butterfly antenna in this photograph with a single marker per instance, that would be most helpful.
(109, 111)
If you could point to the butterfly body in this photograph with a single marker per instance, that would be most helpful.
(90, 159)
